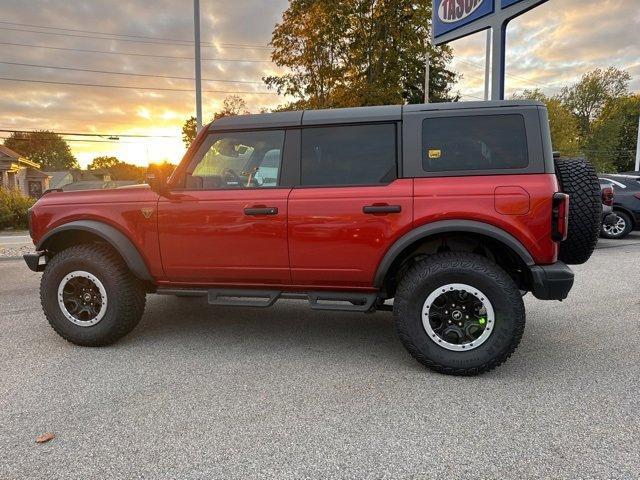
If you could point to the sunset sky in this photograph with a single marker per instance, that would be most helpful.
(548, 48)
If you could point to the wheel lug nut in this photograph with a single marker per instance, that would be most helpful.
(460, 324)
(449, 321)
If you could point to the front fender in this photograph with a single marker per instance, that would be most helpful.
(110, 235)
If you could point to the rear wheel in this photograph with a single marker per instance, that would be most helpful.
(89, 296)
(459, 313)
(619, 228)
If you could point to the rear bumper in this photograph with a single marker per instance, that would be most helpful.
(551, 282)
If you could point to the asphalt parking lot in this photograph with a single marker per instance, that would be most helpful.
(203, 392)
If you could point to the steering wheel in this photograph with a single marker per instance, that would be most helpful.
(230, 175)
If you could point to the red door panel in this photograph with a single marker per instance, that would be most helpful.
(207, 237)
(333, 242)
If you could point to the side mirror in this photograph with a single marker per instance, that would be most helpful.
(157, 182)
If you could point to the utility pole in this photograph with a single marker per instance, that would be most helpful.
(638, 148)
(487, 66)
(196, 30)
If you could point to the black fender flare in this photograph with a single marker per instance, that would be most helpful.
(110, 235)
(444, 226)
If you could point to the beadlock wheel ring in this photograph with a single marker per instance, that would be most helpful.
(473, 300)
(82, 298)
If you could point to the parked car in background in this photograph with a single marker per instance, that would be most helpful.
(626, 205)
(607, 193)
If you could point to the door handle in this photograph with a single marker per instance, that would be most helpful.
(261, 211)
(373, 209)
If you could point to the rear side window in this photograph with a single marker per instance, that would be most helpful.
(348, 155)
(481, 142)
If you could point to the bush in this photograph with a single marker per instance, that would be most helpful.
(14, 208)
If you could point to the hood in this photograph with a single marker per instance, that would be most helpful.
(129, 193)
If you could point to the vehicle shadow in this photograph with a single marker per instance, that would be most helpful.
(289, 329)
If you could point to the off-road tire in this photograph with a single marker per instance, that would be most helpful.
(125, 294)
(627, 228)
(474, 270)
(579, 180)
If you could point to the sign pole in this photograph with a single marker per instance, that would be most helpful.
(487, 65)
(497, 62)
(453, 19)
(196, 29)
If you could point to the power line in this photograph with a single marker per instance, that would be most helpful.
(107, 52)
(8, 130)
(152, 42)
(132, 87)
(184, 41)
(79, 140)
(517, 77)
(111, 72)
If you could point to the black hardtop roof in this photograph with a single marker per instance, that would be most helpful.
(350, 115)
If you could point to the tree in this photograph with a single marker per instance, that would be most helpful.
(231, 105)
(341, 53)
(565, 134)
(46, 148)
(611, 143)
(586, 98)
(118, 170)
(103, 163)
(189, 131)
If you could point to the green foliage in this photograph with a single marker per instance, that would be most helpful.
(103, 163)
(343, 53)
(14, 206)
(611, 143)
(43, 147)
(231, 105)
(595, 117)
(189, 131)
(118, 170)
(586, 98)
(565, 135)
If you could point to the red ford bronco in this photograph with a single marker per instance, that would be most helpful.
(445, 214)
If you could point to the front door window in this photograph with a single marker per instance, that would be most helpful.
(238, 160)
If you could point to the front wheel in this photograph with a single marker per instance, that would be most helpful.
(459, 313)
(89, 296)
(619, 228)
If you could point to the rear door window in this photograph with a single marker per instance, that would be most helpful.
(348, 155)
(480, 142)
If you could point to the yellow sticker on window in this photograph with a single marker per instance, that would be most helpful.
(435, 153)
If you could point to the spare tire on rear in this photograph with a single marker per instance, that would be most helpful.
(578, 179)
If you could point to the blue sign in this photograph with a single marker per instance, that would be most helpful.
(507, 3)
(449, 15)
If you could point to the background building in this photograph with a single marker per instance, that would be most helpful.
(21, 173)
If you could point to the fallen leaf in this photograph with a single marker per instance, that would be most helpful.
(45, 437)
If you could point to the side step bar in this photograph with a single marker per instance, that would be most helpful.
(337, 301)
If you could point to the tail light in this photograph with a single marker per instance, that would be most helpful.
(607, 196)
(560, 216)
